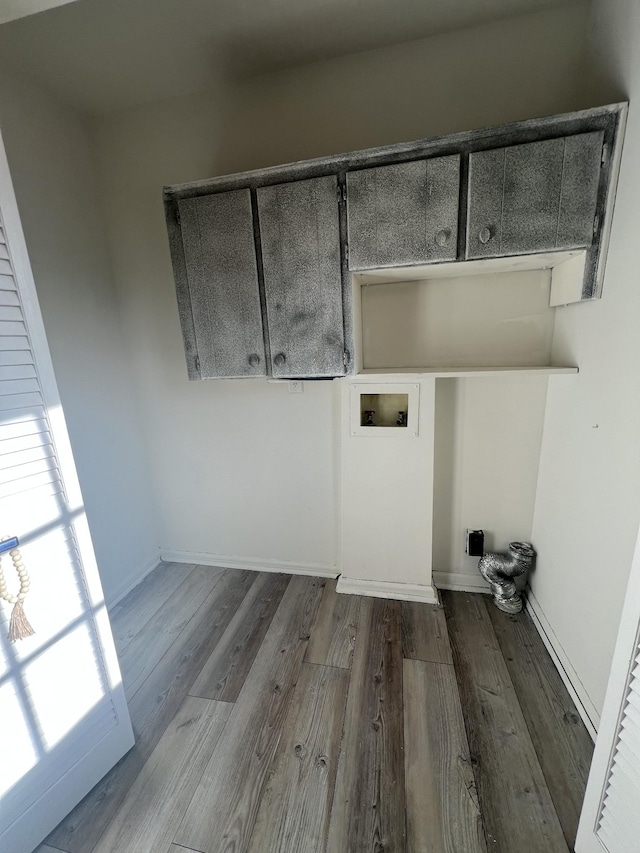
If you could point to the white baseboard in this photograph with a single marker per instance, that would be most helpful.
(584, 705)
(461, 582)
(133, 581)
(227, 561)
(388, 589)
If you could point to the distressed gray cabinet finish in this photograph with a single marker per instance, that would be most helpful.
(260, 257)
(222, 276)
(534, 197)
(403, 214)
(300, 235)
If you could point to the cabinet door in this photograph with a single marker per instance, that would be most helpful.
(220, 258)
(534, 197)
(403, 214)
(300, 235)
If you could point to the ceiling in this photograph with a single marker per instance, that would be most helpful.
(102, 55)
(11, 10)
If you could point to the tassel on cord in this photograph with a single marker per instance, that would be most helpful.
(19, 626)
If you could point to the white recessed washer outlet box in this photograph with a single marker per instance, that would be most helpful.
(385, 410)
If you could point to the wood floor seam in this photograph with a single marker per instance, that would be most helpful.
(47, 848)
(198, 696)
(425, 660)
(327, 665)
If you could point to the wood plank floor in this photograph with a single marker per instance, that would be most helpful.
(273, 715)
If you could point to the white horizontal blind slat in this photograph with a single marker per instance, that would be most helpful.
(11, 312)
(16, 351)
(31, 422)
(630, 730)
(614, 839)
(19, 386)
(624, 788)
(8, 297)
(27, 456)
(634, 700)
(619, 823)
(623, 792)
(27, 484)
(13, 328)
(26, 440)
(14, 342)
(7, 282)
(626, 767)
(18, 402)
(622, 822)
(17, 371)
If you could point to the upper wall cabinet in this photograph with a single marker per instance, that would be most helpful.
(300, 235)
(263, 259)
(403, 214)
(535, 197)
(221, 299)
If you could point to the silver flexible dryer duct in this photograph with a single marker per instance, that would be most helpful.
(501, 569)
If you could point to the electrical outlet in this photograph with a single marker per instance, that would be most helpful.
(295, 386)
(474, 543)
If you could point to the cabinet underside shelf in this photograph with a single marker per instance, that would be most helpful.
(401, 373)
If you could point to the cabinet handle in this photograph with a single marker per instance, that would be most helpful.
(254, 359)
(442, 237)
(280, 359)
(485, 235)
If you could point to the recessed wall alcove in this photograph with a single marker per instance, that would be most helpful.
(468, 317)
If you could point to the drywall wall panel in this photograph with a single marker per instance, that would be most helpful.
(387, 484)
(487, 446)
(53, 174)
(588, 501)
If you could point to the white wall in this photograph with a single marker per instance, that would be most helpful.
(54, 179)
(387, 488)
(588, 501)
(509, 70)
(242, 468)
(488, 434)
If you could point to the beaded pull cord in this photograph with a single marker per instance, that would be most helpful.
(19, 626)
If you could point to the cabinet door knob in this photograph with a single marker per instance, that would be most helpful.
(254, 359)
(280, 359)
(442, 237)
(485, 235)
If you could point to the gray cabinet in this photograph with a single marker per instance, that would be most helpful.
(222, 278)
(533, 197)
(262, 259)
(403, 214)
(300, 236)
